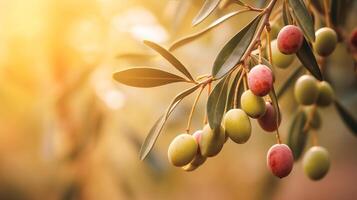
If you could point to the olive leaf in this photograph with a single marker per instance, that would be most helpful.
(287, 19)
(205, 11)
(347, 117)
(216, 103)
(146, 77)
(234, 50)
(155, 131)
(197, 35)
(304, 18)
(169, 57)
(232, 90)
(275, 102)
(296, 135)
(289, 81)
(308, 60)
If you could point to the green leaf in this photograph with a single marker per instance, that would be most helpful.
(155, 131)
(232, 88)
(308, 60)
(146, 77)
(197, 35)
(275, 102)
(286, 14)
(347, 117)
(296, 135)
(304, 18)
(169, 57)
(289, 81)
(216, 103)
(205, 11)
(233, 51)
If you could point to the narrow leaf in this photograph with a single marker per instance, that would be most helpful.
(169, 57)
(308, 60)
(304, 18)
(287, 19)
(216, 103)
(289, 81)
(205, 11)
(146, 77)
(296, 135)
(197, 35)
(347, 117)
(275, 102)
(233, 51)
(155, 131)
(231, 94)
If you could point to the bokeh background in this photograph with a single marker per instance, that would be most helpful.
(68, 131)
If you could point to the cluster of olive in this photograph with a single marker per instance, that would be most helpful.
(191, 151)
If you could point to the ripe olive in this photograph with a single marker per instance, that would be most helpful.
(253, 105)
(260, 80)
(237, 125)
(306, 90)
(212, 141)
(290, 39)
(316, 162)
(279, 59)
(326, 41)
(280, 160)
(182, 150)
(326, 94)
(268, 120)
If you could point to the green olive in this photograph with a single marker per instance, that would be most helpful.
(316, 162)
(326, 94)
(237, 125)
(182, 150)
(279, 59)
(253, 105)
(212, 141)
(306, 90)
(326, 41)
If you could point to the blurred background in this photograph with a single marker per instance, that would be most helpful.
(68, 131)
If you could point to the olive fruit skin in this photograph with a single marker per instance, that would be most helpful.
(253, 105)
(268, 120)
(290, 39)
(326, 41)
(316, 163)
(237, 125)
(260, 80)
(353, 38)
(280, 160)
(199, 159)
(212, 141)
(306, 90)
(326, 94)
(182, 150)
(279, 59)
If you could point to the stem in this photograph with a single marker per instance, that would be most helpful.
(245, 82)
(309, 119)
(270, 56)
(327, 13)
(236, 89)
(277, 135)
(193, 109)
(205, 119)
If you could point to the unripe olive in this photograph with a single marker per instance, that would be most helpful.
(253, 105)
(212, 141)
(280, 160)
(268, 120)
(316, 162)
(274, 29)
(326, 94)
(199, 158)
(279, 59)
(326, 41)
(182, 150)
(260, 80)
(306, 90)
(290, 39)
(315, 122)
(237, 125)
